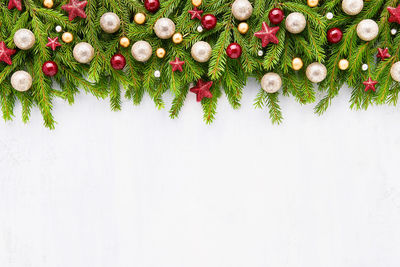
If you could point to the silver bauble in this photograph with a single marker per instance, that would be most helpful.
(242, 9)
(83, 52)
(164, 28)
(395, 71)
(295, 22)
(141, 51)
(24, 39)
(21, 81)
(271, 82)
(201, 51)
(367, 30)
(316, 72)
(352, 7)
(110, 22)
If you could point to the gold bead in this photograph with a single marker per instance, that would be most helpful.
(160, 52)
(124, 42)
(48, 3)
(243, 27)
(177, 38)
(67, 37)
(297, 63)
(196, 3)
(312, 3)
(344, 64)
(140, 18)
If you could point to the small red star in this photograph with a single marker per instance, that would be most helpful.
(15, 3)
(383, 53)
(267, 34)
(5, 53)
(394, 14)
(53, 43)
(370, 85)
(202, 90)
(196, 13)
(177, 65)
(75, 8)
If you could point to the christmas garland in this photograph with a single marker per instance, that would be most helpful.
(114, 47)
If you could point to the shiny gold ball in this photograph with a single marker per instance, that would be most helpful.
(48, 3)
(243, 27)
(124, 42)
(177, 38)
(344, 64)
(297, 63)
(160, 52)
(196, 3)
(312, 3)
(140, 18)
(67, 37)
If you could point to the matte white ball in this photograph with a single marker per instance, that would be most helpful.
(271, 82)
(21, 81)
(364, 67)
(395, 71)
(200, 28)
(316, 72)
(83, 52)
(201, 51)
(393, 31)
(157, 74)
(295, 22)
(141, 51)
(58, 28)
(352, 7)
(24, 39)
(367, 30)
(164, 28)
(242, 9)
(110, 22)
(329, 15)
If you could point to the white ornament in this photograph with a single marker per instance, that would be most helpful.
(393, 31)
(157, 74)
(24, 39)
(364, 67)
(141, 51)
(201, 51)
(242, 9)
(395, 71)
(367, 30)
(110, 22)
(295, 22)
(271, 82)
(200, 28)
(316, 72)
(83, 53)
(260, 53)
(21, 81)
(164, 28)
(329, 15)
(352, 7)
(58, 28)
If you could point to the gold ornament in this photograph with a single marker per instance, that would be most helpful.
(312, 3)
(67, 37)
(140, 18)
(297, 63)
(344, 64)
(124, 42)
(48, 3)
(196, 3)
(160, 52)
(243, 27)
(177, 38)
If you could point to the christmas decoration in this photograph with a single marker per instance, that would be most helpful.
(141, 51)
(140, 18)
(157, 74)
(15, 4)
(83, 52)
(124, 42)
(243, 27)
(329, 15)
(177, 65)
(312, 3)
(164, 28)
(395, 71)
(195, 13)
(67, 37)
(394, 14)
(152, 5)
(242, 9)
(335, 35)
(24, 39)
(160, 52)
(276, 16)
(201, 51)
(364, 67)
(209, 21)
(383, 53)
(297, 63)
(50, 68)
(234, 50)
(271, 82)
(352, 7)
(53, 43)
(197, 3)
(344, 64)
(21, 81)
(367, 30)
(5, 53)
(118, 62)
(370, 85)
(316, 72)
(295, 22)
(202, 90)
(177, 38)
(75, 8)
(267, 34)
(58, 28)
(48, 3)
(110, 22)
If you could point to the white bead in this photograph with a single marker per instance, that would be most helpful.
(365, 67)
(58, 28)
(83, 52)
(242, 9)
(295, 22)
(164, 28)
(393, 31)
(260, 53)
(367, 30)
(201, 51)
(157, 74)
(141, 51)
(200, 28)
(395, 71)
(271, 82)
(329, 15)
(316, 72)
(21, 81)
(352, 7)
(24, 39)
(110, 22)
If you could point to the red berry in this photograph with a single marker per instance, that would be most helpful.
(276, 16)
(50, 68)
(118, 62)
(335, 35)
(209, 21)
(234, 50)
(152, 5)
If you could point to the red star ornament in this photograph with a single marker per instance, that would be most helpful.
(53, 43)
(267, 34)
(202, 90)
(195, 13)
(177, 64)
(394, 14)
(75, 8)
(15, 4)
(5, 53)
(383, 53)
(370, 85)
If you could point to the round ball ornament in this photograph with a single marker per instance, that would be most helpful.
(67, 37)
(164, 28)
(234, 50)
(160, 52)
(21, 81)
(276, 16)
(50, 68)
(139, 18)
(316, 72)
(344, 64)
(367, 30)
(209, 21)
(395, 71)
(312, 3)
(243, 27)
(335, 35)
(110, 22)
(177, 38)
(141, 51)
(118, 62)
(242, 9)
(352, 7)
(58, 28)
(124, 42)
(271, 82)
(83, 52)
(295, 22)
(152, 5)
(48, 3)
(297, 63)
(201, 51)
(24, 39)
(197, 3)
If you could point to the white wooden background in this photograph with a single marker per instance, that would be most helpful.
(135, 188)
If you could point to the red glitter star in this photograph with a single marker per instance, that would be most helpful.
(196, 13)
(15, 3)
(202, 90)
(75, 8)
(383, 53)
(370, 85)
(5, 53)
(394, 14)
(267, 34)
(177, 65)
(53, 43)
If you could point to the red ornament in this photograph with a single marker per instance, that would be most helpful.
(195, 13)
(267, 34)
(370, 85)
(202, 90)
(15, 4)
(75, 8)
(152, 5)
(276, 16)
(234, 50)
(53, 43)
(383, 53)
(5, 53)
(50, 68)
(118, 62)
(177, 64)
(209, 21)
(394, 14)
(335, 35)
